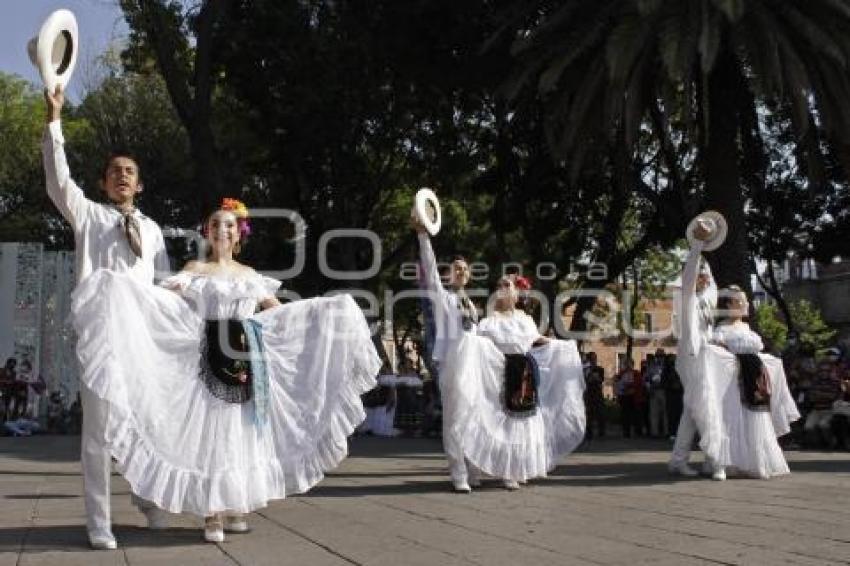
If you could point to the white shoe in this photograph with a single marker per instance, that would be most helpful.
(103, 540)
(511, 485)
(461, 486)
(157, 518)
(213, 529)
(683, 469)
(719, 474)
(236, 524)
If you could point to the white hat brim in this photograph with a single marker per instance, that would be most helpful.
(719, 236)
(425, 199)
(54, 50)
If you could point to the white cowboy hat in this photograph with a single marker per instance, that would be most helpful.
(716, 225)
(54, 49)
(426, 202)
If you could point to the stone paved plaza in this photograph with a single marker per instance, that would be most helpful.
(389, 504)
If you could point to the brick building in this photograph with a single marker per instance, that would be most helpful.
(656, 330)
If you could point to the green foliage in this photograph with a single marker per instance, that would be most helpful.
(770, 326)
(658, 266)
(815, 334)
(341, 110)
(701, 72)
(21, 124)
(123, 112)
(26, 214)
(131, 112)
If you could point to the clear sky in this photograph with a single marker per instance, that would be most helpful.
(100, 23)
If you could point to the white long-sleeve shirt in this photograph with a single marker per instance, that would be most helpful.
(98, 228)
(693, 331)
(448, 314)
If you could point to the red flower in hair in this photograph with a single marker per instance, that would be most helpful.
(522, 283)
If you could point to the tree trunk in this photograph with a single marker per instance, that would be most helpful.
(724, 191)
(772, 288)
(189, 86)
(630, 338)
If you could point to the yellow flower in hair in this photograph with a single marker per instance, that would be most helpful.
(236, 206)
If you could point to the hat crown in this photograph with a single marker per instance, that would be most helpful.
(714, 228)
(708, 224)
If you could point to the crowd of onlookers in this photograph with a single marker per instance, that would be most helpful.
(820, 384)
(24, 410)
(648, 399)
(402, 404)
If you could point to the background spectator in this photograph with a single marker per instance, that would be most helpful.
(8, 377)
(654, 377)
(825, 390)
(674, 393)
(594, 401)
(630, 394)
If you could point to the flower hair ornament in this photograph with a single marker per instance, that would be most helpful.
(238, 208)
(522, 283)
(243, 225)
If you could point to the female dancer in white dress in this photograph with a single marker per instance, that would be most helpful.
(512, 433)
(747, 394)
(193, 433)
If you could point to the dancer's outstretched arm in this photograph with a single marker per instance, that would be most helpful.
(443, 302)
(62, 190)
(428, 263)
(690, 337)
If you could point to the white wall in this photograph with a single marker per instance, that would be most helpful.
(8, 273)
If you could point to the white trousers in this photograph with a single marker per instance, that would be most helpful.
(460, 469)
(96, 462)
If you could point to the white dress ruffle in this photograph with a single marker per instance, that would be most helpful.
(184, 449)
(731, 434)
(495, 442)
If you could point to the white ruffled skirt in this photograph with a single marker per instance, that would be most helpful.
(184, 449)
(498, 443)
(731, 434)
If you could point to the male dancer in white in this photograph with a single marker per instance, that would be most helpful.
(454, 314)
(114, 236)
(698, 303)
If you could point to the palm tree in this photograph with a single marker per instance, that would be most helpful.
(604, 67)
